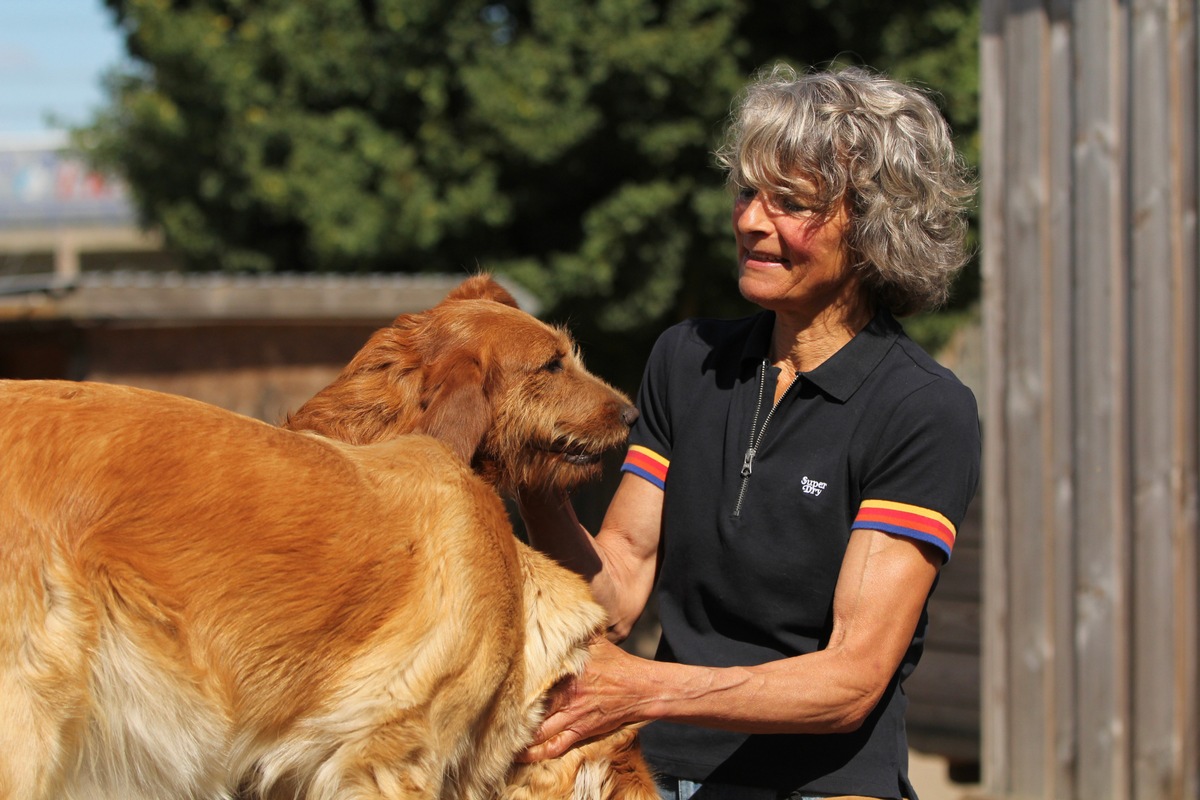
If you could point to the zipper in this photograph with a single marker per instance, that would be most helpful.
(756, 434)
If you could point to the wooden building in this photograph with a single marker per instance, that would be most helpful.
(87, 293)
(258, 345)
(1091, 679)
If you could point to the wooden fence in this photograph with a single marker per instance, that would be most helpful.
(1091, 683)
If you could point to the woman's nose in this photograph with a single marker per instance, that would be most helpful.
(750, 215)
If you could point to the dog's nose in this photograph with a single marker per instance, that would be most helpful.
(629, 415)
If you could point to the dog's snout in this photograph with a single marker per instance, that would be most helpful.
(629, 415)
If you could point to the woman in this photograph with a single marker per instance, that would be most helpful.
(795, 480)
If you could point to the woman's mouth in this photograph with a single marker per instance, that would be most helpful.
(755, 258)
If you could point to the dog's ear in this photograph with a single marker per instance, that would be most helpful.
(482, 287)
(454, 407)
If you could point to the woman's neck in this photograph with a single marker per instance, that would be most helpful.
(801, 344)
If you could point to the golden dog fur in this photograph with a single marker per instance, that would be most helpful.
(505, 391)
(197, 605)
(480, 374)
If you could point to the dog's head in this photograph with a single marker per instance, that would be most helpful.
(504, 390)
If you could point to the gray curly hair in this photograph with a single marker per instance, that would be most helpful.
(879, 144)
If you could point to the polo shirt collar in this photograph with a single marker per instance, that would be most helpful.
(842, 373)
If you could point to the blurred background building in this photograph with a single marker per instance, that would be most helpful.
(87, 294)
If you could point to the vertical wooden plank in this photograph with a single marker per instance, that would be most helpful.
(1062, 730)
(1163, 344)
(1102, 406)
(1029, 733)
(1183, 53)
(1031, 304)
(1152, 417)
(995, 672)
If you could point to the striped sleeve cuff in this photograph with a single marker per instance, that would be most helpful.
(902, 519)
(646, 463)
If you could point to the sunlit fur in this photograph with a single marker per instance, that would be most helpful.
(510, 395)
(506, 391)
(201, 605)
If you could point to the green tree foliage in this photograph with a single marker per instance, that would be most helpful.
(564, 143)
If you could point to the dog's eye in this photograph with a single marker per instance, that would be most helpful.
(554, 365)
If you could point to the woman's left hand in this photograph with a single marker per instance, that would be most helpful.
(596, 702)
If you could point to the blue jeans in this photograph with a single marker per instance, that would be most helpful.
(674, 789)
(677, 789)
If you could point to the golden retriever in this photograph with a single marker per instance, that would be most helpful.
(200, 605)
(511, 396)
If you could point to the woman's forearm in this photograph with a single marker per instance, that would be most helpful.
(815, 693)
(805, 694)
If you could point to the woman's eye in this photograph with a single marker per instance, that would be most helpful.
(792, 206)
(788, 205)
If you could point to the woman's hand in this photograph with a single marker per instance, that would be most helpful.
(600, 700)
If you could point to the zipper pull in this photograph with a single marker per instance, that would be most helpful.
(748, 462)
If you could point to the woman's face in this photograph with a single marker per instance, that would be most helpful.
(792, 259)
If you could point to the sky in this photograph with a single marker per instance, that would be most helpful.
(53, 54)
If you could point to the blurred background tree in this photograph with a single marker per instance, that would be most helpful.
(565, 144)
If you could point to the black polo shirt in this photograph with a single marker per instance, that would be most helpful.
(879, 436)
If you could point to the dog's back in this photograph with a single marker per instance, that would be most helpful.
(196, 602)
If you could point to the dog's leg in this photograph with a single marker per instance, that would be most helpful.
(43, 647)
(32, 743)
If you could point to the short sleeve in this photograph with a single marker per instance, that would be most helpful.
(649, 454)
(924, 468)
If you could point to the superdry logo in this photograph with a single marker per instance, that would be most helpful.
(812, 487)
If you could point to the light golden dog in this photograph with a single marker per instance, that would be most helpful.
(510, 395)
(197, 605)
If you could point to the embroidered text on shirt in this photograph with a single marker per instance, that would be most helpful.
(812, 487)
